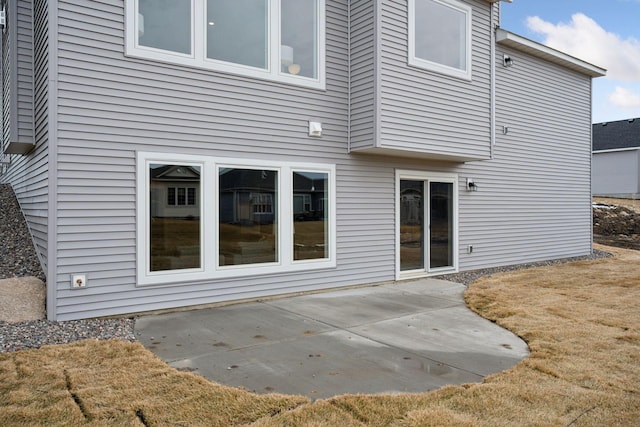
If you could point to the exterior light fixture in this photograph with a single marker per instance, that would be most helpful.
(507, 61)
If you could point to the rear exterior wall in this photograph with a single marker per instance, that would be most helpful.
(110, 107)
(534, 199)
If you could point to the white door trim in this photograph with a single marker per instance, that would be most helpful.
(404, 174)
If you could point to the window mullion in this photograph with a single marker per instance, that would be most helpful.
(209, 198)
(199, 18)
(275, 37)
(285, 216)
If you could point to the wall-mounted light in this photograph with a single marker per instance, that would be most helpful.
(507, 61)
(471, 185)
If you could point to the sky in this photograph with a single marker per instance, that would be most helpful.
(605, 33)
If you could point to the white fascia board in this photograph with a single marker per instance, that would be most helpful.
(523, 44)
(616, 150)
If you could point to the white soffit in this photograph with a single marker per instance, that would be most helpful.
(522, 44)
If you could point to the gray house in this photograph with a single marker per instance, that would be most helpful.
(616, 159)
(305, 145)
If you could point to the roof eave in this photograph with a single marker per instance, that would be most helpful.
(536, 49)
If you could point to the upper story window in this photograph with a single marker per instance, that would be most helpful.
(280, 40)
(440, 36)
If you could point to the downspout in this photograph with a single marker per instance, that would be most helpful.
(492, 113)
(591, 163)
(52, 154)
(348, 76)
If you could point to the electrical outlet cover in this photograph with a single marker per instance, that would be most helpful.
(78, 281)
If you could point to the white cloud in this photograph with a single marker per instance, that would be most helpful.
(585, 39)
(624, 98)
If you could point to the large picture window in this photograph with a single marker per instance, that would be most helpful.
(273, 39)
(440, 36)
(208, 218)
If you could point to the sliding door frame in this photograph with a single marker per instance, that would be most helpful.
(426, 178)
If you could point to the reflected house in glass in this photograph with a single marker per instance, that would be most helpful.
(247, 196)
(175, 191)
(309, 197)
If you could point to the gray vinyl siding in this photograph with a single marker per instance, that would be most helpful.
(616, 173)
(111, 106)
(18, 74)
(424, 113)
(363, 73)
(533, 201)
(27, 174)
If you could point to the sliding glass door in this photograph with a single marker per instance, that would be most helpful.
(427, 223)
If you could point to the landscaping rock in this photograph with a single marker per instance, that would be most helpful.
(616, 225)
(17, 255)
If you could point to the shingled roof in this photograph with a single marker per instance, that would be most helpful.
(616, 135)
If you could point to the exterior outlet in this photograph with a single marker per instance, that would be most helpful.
(78, 281)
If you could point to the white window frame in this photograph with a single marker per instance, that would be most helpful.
(427, 177)
(198, 57)
(209, 220)
(434, 66)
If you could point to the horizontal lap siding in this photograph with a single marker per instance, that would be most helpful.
(426, 111)
(362, 73)
(533, 200)
(24, 132)
(616, 173)
(28, 173)
(110, 106)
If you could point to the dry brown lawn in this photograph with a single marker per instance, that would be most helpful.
(581, 321)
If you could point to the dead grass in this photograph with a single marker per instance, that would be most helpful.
(118, 383)
(581, 321)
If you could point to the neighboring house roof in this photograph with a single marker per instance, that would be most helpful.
(618, 135)
(175, 173)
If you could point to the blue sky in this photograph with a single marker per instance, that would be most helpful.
(605, 33)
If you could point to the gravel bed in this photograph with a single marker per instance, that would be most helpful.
(19, 259)
(17, 256)
(468, 277)
(35, 334)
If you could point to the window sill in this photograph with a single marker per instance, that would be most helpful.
(177, 277)
(225, 68)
